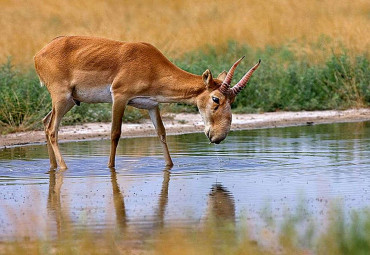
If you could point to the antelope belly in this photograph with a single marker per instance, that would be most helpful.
(101, 94)
(143, 103)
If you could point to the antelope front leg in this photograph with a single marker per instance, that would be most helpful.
(155, 116)
(118, 109)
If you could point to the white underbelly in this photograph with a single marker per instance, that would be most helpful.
(103, 94)
(143, 103)
(93, 94)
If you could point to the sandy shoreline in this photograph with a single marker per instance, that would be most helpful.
(188, 123)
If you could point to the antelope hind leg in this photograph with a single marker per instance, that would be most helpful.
(53, 161)
(59, 109)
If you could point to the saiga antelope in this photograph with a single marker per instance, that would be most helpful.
(96, 70)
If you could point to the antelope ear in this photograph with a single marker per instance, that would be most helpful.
(222, 76)
(207, 78)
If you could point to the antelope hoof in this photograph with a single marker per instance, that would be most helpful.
(63, 167)
(169, 164)
(53, 167)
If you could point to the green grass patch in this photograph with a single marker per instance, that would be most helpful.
(23, 103)
(284, 81)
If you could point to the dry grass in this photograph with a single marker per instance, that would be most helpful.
(179, 26)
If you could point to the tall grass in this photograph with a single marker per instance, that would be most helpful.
(22, 102)
(179, 26)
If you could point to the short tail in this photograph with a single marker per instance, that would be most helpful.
(42, 84)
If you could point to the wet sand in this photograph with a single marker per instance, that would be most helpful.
(188, 123)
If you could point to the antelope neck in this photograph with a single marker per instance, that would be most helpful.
(181, 86)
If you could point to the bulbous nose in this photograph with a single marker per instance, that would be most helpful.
(216, 140)
(212, 137)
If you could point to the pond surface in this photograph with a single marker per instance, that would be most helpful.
(252, 170)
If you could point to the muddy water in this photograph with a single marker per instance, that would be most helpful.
(253, 171)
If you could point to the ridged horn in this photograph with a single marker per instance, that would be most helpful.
(241, 84)
(225, 86)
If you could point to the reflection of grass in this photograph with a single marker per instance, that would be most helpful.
(339, 236)
(179, 26)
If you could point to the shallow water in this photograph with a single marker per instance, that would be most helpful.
(252, 172)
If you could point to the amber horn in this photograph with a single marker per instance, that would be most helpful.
(224, 88)
(241, 84)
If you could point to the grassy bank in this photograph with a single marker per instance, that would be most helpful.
(285, 81)
(299, 233)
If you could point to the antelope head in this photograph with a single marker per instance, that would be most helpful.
(215, 103)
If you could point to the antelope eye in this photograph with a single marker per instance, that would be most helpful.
(216, 100)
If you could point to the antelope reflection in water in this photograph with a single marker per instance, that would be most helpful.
(220, 217)
(60, 214)
(220, 213)
(163, 199)
(54, 204)
(119, 202)
(221, 205)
